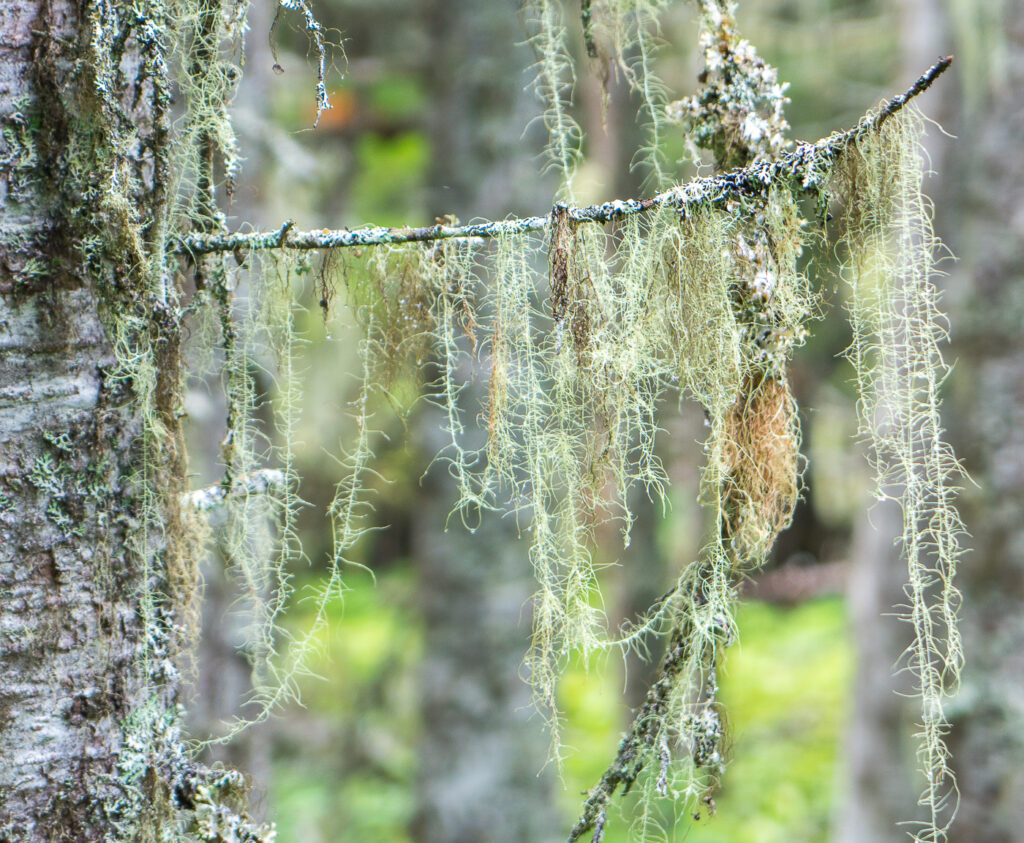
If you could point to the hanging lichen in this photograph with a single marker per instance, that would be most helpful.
(750, 480)
(897, 332)
(621, 37)
(554, 84)
(586, 321)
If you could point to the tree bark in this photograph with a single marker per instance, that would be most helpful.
(96, 560)
(70, 621)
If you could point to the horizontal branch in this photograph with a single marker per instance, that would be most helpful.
(805, 164)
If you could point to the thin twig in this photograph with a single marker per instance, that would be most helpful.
(630, 758)
(315, 32)
(805, 164)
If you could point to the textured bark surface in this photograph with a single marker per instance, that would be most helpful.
(70, 631)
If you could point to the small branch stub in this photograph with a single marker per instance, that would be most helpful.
(261, 482)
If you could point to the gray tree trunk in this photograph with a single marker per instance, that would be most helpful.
(879, 790)
(483, 747)
(987, 233)
(70, 630)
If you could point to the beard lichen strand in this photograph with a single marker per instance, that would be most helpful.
(246, 538)
(449, 273)
(206, 79)
(507, 300)
(619, 375)
(896, 354)
(607, 377)
(638, 372)
(538, 450)
(403, 301)
(634, 26)
(270, 326)
(538, 457)
(723, 276)
(554, 84)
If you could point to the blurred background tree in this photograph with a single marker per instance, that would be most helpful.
(420, 728)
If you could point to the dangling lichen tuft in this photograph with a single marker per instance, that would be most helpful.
(622, 37)
(898, 329)
(554, 82)
(762, 477)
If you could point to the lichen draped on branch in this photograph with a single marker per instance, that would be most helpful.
(589, 318)
(806, 164)
(896, 351)
(693, 292)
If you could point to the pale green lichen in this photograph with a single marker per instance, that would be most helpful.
(896, 351)
(554, 82)
(703, 301)
(622, 35)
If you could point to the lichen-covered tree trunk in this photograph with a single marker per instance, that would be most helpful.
(987, 234)
(70, 626)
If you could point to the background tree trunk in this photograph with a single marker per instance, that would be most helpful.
(880, 790)
(483, 746)
(985, 214)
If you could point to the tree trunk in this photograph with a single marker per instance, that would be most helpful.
(880, 790)
(69, 512)
(483, 747)
(96, 564)
(987, 233)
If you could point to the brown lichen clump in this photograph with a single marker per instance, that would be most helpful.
(762, 479)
